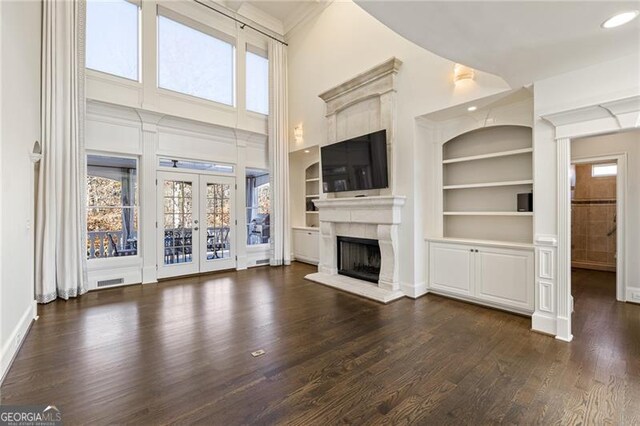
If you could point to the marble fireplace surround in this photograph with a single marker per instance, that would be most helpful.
(374, 217)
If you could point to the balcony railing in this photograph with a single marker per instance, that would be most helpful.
(105, 244)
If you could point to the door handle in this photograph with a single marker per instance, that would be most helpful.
(196, 228)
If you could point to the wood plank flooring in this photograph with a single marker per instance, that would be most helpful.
(179, 352)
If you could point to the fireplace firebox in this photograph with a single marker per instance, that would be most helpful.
(359, 258)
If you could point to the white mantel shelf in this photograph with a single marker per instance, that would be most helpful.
(381, 210)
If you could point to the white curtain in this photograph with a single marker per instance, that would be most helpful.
(60, 216)
(279, 155)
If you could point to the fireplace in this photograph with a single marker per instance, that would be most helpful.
(359, 258)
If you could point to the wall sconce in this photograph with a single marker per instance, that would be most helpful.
(461, 72)
(298, 134)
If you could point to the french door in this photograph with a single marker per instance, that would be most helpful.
(196, 223)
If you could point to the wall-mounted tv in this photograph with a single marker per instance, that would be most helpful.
(355, 164)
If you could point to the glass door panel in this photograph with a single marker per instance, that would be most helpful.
(217, 210)
(177, 228)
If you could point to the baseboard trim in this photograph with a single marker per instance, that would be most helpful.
(633, 294)
(543, 323)
(414, 291)
(14, 343)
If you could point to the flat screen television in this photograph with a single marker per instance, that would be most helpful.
(355, 164)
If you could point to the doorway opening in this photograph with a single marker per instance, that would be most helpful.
(594, 227)
(601, 167)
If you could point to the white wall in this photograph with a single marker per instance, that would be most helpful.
(629, 143)
(344, 41)
(20, 88)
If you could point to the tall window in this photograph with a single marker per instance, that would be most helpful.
(257, 81)
(258, 206)
(112, 212)
(112, 37)
(195, 62)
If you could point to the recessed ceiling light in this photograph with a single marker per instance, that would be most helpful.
(620, 19)
(472, 108)
(306, 151)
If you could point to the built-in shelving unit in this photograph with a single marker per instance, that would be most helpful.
(312, 191)
(483, 171)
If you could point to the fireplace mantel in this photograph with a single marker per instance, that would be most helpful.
(380, 210)
(375, 217)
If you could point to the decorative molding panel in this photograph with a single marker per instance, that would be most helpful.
(545, 296)
(546, 264)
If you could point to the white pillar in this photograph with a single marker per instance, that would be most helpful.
(563, 324)
(147, 202)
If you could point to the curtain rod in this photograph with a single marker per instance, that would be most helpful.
(242, 24)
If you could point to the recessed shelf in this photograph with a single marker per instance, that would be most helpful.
(486, 156)
(313, 180)
(481, 213)
(490, 184)
(312, 212)
(312, 196)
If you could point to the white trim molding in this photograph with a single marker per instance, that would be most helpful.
(608, 117)
(16, 339)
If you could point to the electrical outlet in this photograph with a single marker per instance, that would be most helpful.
(257, 353)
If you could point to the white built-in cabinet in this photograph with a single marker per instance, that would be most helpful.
(306, 245)
(498, 276)
(305, 184)
(480, 247)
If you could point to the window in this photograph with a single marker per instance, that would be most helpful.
(604, 170)
(112, 37)
(258, 207)
(112, 212)
(257, 82)
(195, 62)
(196, 165)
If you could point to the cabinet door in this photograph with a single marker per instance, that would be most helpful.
(306, 245)
(505, 277)
(451, 268)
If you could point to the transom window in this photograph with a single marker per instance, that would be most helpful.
(112, 210)
(194, 61)
(604, 170)
(204, 166)
(112, 37)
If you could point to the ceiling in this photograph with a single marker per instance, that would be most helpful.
(279, 16)
(520, 41)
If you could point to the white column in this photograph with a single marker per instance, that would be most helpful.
(564, 299)
(241, 202)
(147, 202)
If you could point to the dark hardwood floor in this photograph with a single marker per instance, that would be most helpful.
(179, 352)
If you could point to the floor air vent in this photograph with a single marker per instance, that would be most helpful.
(262, 261)
(114, 281)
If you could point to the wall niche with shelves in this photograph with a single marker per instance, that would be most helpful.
(483, 171)
(312, 192)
